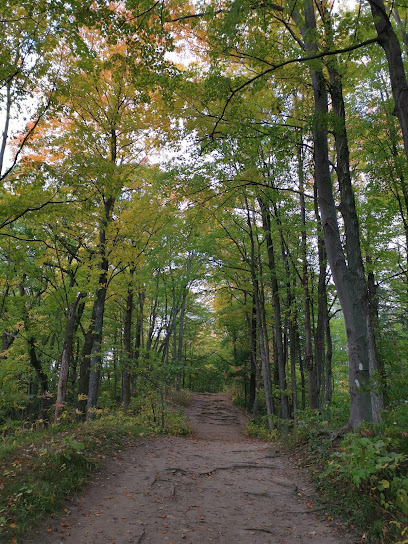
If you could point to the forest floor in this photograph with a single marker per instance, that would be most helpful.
(215, 485)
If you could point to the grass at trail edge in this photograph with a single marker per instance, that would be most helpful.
(40, 469)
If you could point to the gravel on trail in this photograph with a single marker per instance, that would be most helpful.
(215, 485)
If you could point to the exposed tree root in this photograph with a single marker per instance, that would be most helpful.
(141, 537)
(236, 467)
(176, 470)
(259, 529)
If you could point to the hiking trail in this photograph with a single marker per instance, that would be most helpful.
(215, 485)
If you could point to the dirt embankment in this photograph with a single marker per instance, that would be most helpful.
(213, 486)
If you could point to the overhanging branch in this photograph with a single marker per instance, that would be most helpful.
(275, 67)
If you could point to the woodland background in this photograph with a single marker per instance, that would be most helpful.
(203, 196)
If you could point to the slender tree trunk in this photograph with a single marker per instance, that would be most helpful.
(174, 312)
(6, 126)
(138, 335)
(85, 367)
(302, 372)
(99, 310)
(266, 369)
(309, 363)
(44, 396)
(388, 40)
(66, 357)
(322, 313)
(42, 378)
(329, 356)
(252, 379)
(6, 342)
(280, 356)
(127, 344)
(153, 317)
(401, 27)
(292, 345)
(180, 339)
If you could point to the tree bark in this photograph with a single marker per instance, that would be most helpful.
(66, 357)
(309, 362)
(388, 40)
(127, 345)
(280, 356)
(98, 310)
(180, 339)
(322, 314)
(6, 126)
(251, 321)
(266, 370)
(359, 364)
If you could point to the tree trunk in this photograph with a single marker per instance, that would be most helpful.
(309, 363)
(253, 371)
(98, 310)
(6, 126)
(127, 344)
(351, 224)
(138, 335)
(389, 42)
(6, 342)
(66, 357)
(322, 313)
(329, 355)
(400, 25)
(266, 370)
(180, 340)
(44, 396)
(359, 364)
(280, 356)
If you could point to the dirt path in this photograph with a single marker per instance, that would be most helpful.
(213, 486)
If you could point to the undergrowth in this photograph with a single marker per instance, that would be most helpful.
(361, 475)
(41, 468)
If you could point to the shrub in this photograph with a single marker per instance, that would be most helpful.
(369, 465)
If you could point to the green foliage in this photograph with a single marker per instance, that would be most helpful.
(258, 428)
(236, 392)
(369, 465)
(179, 398)
(154, 412)
(395, 421)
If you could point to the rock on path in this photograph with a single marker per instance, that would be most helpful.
(214, 486)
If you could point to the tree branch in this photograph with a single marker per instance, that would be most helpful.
(286, 63)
